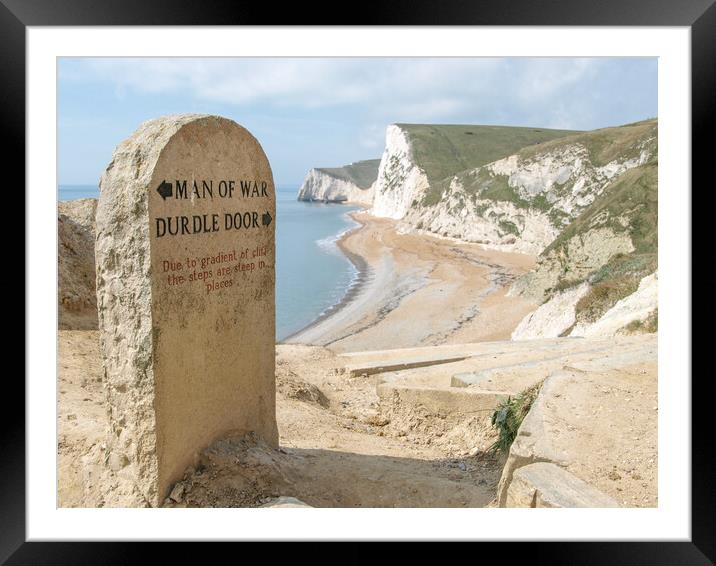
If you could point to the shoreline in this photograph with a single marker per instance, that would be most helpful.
(363, 275)
(417, 290)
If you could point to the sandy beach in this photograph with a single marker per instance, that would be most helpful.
(419, 290)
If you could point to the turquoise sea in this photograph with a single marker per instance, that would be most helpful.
(312, 274)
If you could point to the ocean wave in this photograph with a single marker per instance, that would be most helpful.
(340, 291)
(330, 243)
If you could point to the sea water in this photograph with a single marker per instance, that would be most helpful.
(312, 274)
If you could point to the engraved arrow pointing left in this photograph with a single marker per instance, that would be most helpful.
(165, 189)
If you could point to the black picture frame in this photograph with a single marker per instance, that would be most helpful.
(699, 15)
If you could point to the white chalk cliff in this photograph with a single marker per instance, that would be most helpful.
(637, 307)
(320, 186)
(353, 183)
(400, 180)
(553, 317)
(518, 203)
(557, 316)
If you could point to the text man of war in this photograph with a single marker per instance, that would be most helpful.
(224, 189)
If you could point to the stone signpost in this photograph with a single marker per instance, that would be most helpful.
(185, 255)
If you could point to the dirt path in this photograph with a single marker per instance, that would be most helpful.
(336, 448)
(421, 291)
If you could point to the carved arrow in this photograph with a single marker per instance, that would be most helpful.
(165, 189)
(266, 219)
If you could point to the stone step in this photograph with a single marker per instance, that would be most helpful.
(599, 426)
(544, 484)
(478, 383)
(515, 378)
(439, 401)
(383, 366)
(384, 361)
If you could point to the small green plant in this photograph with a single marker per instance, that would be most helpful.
(509, 227)
(562, 285)
(540, 202)
(509, 415)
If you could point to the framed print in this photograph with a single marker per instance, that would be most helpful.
(418, 276)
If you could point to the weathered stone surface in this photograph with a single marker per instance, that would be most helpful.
(185, 293)
(77, 297)
(437, 401)
(597, 420)
(553, 317)
(548, 485)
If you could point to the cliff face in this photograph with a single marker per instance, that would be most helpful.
(521, 201)
(610, 253)
(352, 183)
(420, 159)
(563, 315)
(320, 186)
(585, 203)
(400, 179)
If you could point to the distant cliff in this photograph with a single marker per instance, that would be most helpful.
(352, 183)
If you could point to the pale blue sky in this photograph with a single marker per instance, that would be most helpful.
(326, 112)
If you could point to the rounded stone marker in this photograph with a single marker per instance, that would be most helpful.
(185, 256)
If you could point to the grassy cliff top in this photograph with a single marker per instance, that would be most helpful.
(444, 150)
(362, 173)
(605, 144)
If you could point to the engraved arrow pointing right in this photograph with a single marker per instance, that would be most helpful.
(266, 219)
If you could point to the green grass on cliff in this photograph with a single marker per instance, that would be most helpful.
(362, 173)
(631, 199)
(629, 204)
(648, 325)
(444, 150)
(606, 144)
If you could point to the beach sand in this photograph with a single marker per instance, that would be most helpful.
(419, 290)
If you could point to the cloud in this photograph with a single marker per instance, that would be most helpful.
(388, 89)
(372, 137)
(328, 111)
